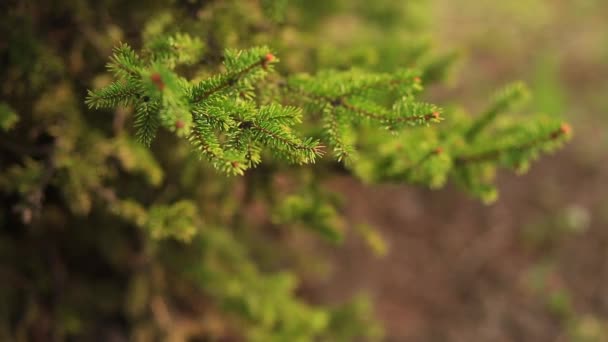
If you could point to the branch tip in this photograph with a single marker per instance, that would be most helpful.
(158, 81)
(564, 129)
(268, 58)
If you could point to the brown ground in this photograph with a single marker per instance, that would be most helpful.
(457, 269)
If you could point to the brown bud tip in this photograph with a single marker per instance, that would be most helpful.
(179, 124)
(435, 115)
(269, 58)
(564, 129)
(235, 164)
(438, 150)
(157, 80)
(155, 77)
(417, 79)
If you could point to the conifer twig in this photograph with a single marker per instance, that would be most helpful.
(378, 84)
(495, 154)
(432, 153)
(376, 116)
(315, 149)
(341, 101)
(232, 79)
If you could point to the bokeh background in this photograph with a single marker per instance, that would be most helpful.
(534, 265)
(445, 267)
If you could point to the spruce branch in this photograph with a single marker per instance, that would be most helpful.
(345, 98)
(404, 111)
(125, 63)
(391, 120)
(337, 134)
(300, 151)
(309, 95)
(430, 154)
(176, 49)
(270, 126)
(118, 93)
(504, 100)
(224, 81)
(8, 117)
(203, 138)
(223, 122)
(495, 154)
(146, 120)
(409, 78)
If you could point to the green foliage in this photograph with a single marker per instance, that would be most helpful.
(373, 239)
(353, 320)
(22, 179)
(110, 179)
(275, 9)
(347, 101)
(503, 101)
(265, 303)
(8, 118)
(217, 114)
(313, 211)
(178, 220)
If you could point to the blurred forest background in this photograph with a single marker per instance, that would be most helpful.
(534, 265)
(531, 267)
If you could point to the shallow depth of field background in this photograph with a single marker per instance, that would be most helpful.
(533, 266)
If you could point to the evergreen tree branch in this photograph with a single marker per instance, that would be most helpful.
(279, 138)
(125, 63)
(503, 101)
(204, 140)
(230, 79)
(410, 78)
(496, 154)
(115, 94)
(146, 120)
(334, 131)
(434, 116)
(342, 101)
(432, 153)
(309, 95)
